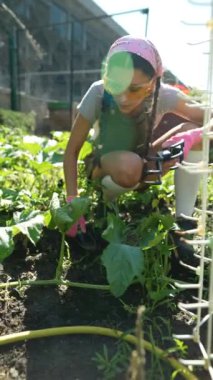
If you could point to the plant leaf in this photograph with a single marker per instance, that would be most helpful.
(64, 217)
(152, 239)
(85, 150)
(123, 263)
(114, 231)
(6, 243)
(33, 148)
(31, 227)
(41, 167)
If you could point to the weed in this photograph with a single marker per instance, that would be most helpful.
(112, 364)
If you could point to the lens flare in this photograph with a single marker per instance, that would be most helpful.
(117, 73)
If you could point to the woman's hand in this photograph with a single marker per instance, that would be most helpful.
(190, 139)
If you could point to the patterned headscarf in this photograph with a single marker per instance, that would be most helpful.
(142, 47)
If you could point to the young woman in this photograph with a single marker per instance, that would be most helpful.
(127, 105)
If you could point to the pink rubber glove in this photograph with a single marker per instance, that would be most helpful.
(190, 138)
(81, 223)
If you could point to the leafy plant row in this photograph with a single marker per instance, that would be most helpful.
(136, 229)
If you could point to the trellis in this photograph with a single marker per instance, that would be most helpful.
(201, 310)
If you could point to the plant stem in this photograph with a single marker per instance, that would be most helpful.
(61, 259)
(13, 284)
(55, 331)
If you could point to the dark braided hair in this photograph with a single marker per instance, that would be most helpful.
(146, 119)
(150, 120)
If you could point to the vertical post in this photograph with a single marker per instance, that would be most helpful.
(145, 11)
(71, 77)
(18, 77)
(13, 69)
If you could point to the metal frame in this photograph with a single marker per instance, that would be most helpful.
(201, 310)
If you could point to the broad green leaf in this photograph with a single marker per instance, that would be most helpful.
(32, 228)
(167, 221)
(160, 294)
(47, 219)
(54, 203)
(53, 147)
(56, 158)
(64, 217)
(6, 243)
(33, 148)
(5, 203)
(33, 139)
(152, 239)
(23, 216)
(85, 150)
(5, 172)
(42, 167)
(148, 222)
(155, 203)
(9, 193)
(114, 231)
(123, 263)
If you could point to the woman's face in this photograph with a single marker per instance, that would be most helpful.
(138, 89)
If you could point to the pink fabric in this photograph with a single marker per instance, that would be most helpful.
(190, 138)
(142, 47)
(70, 198)
(80, 224)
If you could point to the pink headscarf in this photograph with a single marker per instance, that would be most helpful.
(142, 47)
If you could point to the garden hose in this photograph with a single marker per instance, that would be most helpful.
(55, 331)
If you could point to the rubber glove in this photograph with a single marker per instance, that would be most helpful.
(190, 138)
(80, 224)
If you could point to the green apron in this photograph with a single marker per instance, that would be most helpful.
(117, 132)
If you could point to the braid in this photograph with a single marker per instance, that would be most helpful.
(145, 123)
(151, 118)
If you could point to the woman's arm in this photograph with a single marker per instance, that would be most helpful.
(78, 136)
(189, 109)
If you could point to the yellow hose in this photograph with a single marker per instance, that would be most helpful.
(54, 331)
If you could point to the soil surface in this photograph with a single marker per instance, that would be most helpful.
(73, 357)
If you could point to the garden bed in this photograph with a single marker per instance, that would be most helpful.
(96, 280)
(76, 356)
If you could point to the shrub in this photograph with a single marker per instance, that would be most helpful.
(18, 120)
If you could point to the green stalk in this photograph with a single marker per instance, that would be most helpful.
(64, 330)
(61, 259)
(14, 284)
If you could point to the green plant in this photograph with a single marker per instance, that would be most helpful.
(123, 262)
(139, 252)
(111, 365)
(27, 223)
(63, 218)
(158, 331)
(26, 335)
(18, 122)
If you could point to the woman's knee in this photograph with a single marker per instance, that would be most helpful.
(125, 168)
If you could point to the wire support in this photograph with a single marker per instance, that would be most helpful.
(191, 306)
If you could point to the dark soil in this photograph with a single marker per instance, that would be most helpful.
(71, 357)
